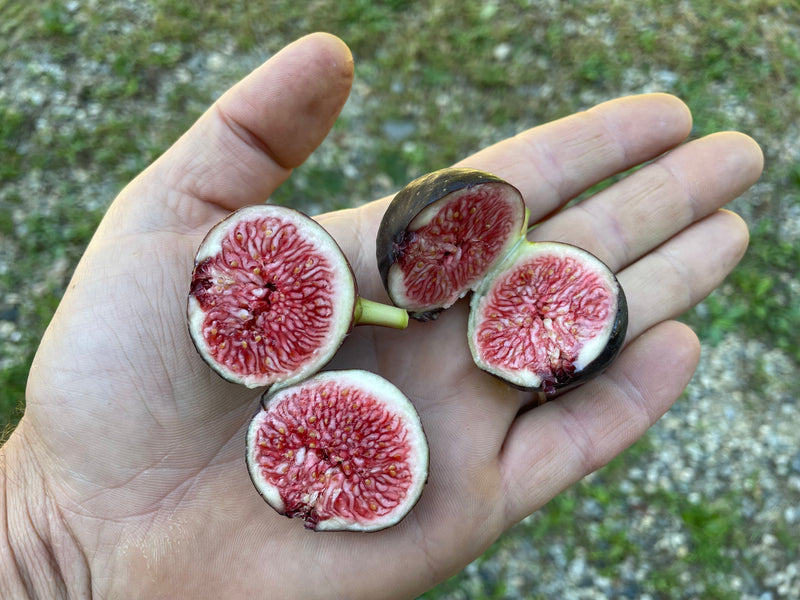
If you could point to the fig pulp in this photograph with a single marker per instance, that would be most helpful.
(272, 297)
(545, 316)
(343, 450)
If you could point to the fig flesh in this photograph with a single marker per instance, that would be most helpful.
(272, 297)
(550, 316)
(544, 317)
(442, 233)
(343, 450)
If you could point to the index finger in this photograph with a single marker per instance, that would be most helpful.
(552, 163)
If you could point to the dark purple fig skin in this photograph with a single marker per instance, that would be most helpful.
(408, 203)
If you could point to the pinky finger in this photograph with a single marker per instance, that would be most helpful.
(550, 448)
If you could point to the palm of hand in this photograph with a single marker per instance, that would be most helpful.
(145, 446)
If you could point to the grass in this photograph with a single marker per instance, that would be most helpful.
(759, 297)
(118, 85)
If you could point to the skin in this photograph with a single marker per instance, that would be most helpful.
(126, 475)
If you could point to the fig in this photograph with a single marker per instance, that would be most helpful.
(442, 233)
(550, 316)
(272, 297)
(544, 316)
(343, 450)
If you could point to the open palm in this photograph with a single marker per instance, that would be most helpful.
(126, 476)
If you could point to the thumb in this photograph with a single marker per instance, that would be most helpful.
(247, 143)
(132, 281)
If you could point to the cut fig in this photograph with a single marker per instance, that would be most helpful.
(343, 450)
(548, 317)
(272, 297)
(544, 316)
(442, 233)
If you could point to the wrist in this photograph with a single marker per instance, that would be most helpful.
(39, 557)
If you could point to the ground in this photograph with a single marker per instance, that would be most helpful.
(708, 503)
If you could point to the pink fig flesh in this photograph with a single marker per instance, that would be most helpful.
(343, 450)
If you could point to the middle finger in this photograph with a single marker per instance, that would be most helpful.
(640, 212)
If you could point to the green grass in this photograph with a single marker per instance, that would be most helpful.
(464, 74)
(760, 297)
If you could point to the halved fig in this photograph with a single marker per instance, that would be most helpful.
(272, 297)
(440, 235)
(343, 450)
(548, 317)
(545, 316)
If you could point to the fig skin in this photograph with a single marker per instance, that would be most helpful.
(409, 202)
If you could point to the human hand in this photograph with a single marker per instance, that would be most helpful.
(126, 476)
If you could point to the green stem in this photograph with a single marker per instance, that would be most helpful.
(368, 312)
(525, 228)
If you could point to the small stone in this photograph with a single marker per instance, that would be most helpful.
(215, 62)
(502, 51)
(398, 130)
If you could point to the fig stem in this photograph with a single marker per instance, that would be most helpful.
(368, 312)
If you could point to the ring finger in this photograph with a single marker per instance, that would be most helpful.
(643, 210)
